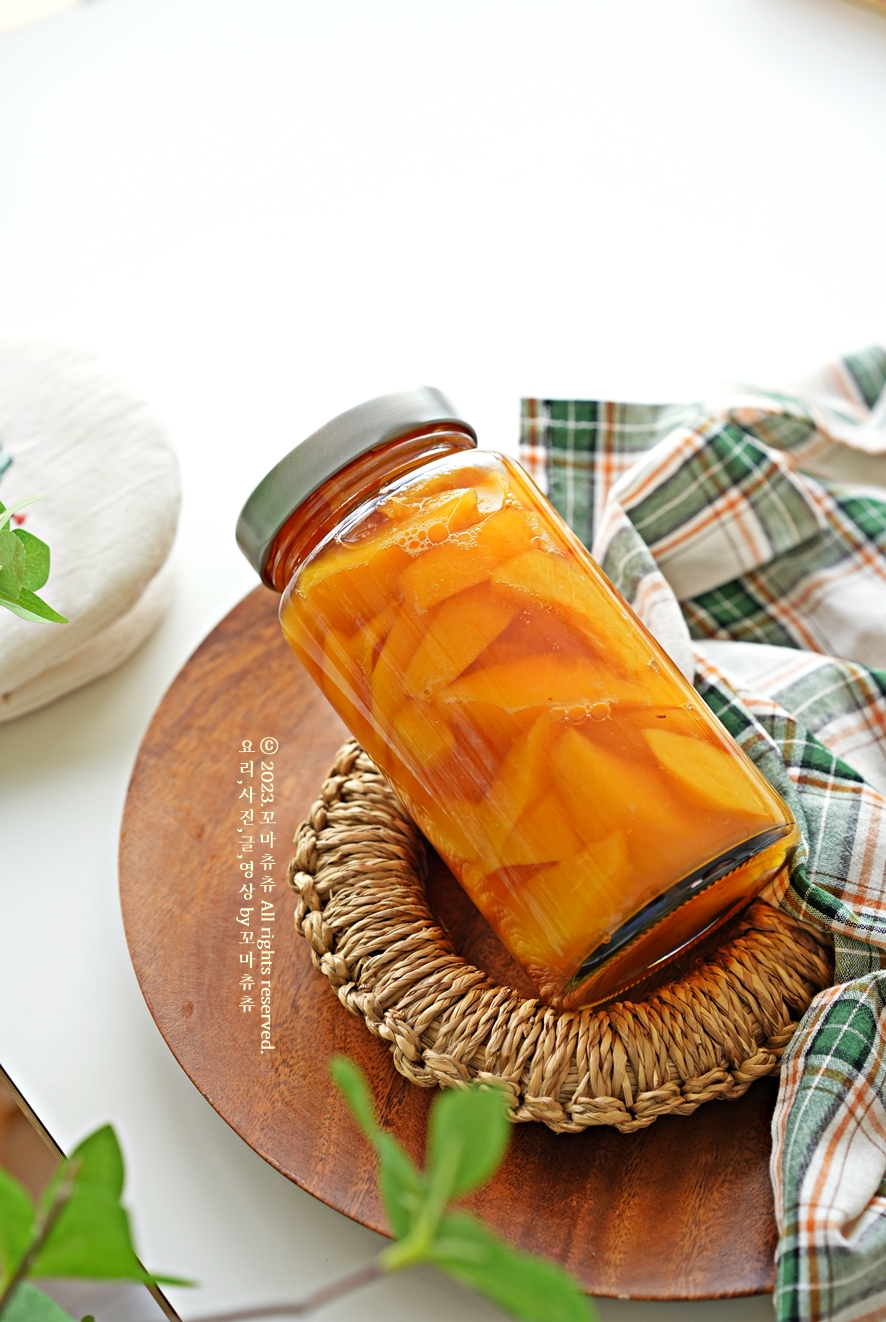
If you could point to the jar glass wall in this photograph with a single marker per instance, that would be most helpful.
(592, 807)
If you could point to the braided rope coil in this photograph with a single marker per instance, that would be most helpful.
(359, 870)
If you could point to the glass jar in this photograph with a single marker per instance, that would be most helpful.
(590, 804)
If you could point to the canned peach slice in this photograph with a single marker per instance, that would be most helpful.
(543, 679)
(464, 514)
(590, 887)
(457, 633)
(507, 532)
(351, 584)
(520, 776)
(552, 580)
(466, 558)
(423, 737)
(456, 830)
(531, 633)
(410, 517)
(484, 730)
(544, 834)
(368, 641)
(333, 675)
(445, 570)
(710, 775)
(598, 788)
(438, 484)
(386, 683)
(362, 576)
(535, 681)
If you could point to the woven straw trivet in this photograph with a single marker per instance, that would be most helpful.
(359, 870)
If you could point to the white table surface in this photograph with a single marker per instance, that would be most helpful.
(262, 211)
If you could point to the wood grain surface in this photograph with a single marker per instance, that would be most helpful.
(682, 1210)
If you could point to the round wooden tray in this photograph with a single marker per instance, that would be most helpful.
(682, 1210)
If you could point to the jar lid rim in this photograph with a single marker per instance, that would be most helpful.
(322, 454)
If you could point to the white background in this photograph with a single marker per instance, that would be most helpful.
(260, 212)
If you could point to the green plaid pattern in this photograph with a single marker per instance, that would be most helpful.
(755, 527)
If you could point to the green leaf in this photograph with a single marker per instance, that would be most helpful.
(402, 1186)
(91, 1237)
(36, 559)
(12, 564)
(95, 1166)
(351, 1083)
(99, 1163)
(469, 1133)
(29, 606)
(526, 1287)
(16, 1224)
(28, 1304)
(6, 514)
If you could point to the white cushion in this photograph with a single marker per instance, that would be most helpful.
(111, 483)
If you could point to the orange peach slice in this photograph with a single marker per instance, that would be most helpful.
(538, 680)
(458, 632)
(532, 633)
(455, 820)
(711, 775)
(554, 679)
(350, 582)
(410, 517)
(347, 586)
(507, 532)
(601, 790)
(464, 515)
(443, 570)
(371, 637)
(456, 832)
(543, 834)
(422, 734)
(484, 726)
(521, 775)
(338, 668)
(562, 913)
(419, 489)
(584, 595)
(334, 681)
(404, 637)
(666, 835)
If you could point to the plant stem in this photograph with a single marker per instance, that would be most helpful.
(362, 1276)
(65, 1189)
(414, 1248)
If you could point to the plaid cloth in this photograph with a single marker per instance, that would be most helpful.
(750, 536)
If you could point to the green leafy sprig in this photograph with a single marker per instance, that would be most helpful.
(24, 567)
(78, 1227)
(468, 1135)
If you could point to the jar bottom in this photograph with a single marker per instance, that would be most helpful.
(681, 917)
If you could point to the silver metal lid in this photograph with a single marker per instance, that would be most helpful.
(319, 457)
